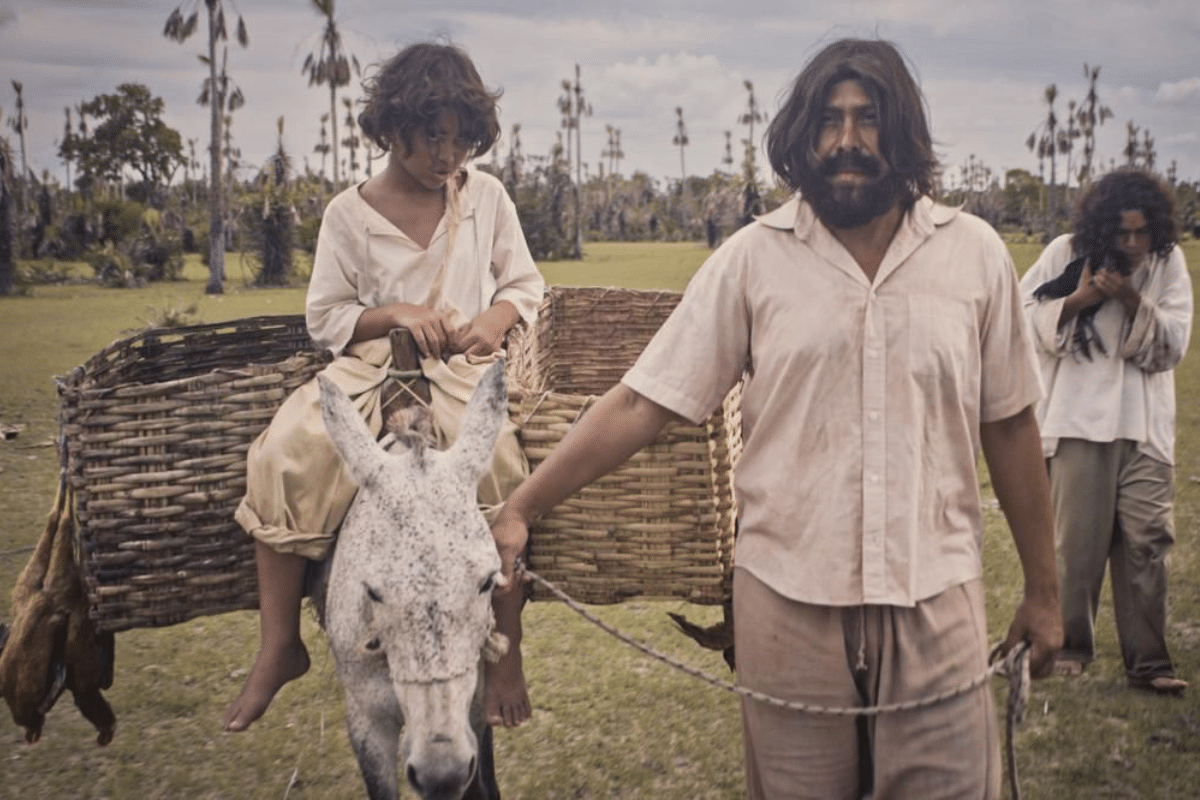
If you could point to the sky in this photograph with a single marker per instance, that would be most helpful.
(983, 67)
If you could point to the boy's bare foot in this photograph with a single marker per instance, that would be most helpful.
(271, 670)
(505, 696)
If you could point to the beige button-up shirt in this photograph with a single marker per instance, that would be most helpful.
(862, 402)
(364, 261)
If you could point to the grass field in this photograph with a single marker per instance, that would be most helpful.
(608, 722)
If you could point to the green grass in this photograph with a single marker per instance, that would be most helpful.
(609, 723)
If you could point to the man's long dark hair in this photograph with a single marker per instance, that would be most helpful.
(904, 130)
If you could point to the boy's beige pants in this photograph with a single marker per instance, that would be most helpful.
(297, 489)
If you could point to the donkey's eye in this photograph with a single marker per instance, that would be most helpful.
(488, 584)
(374, 595)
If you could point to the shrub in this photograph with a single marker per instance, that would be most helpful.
(157, 250)
(120, 220)
(111, 266)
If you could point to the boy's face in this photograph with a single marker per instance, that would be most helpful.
(1133, 237)
(437, 152)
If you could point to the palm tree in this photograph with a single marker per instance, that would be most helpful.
(20, 124)
(180, 28)
(330, 64)
(351, 141)
(323, 147)
(8, 222)
(680, 140)
(753, 114)
(68, 133)
(1047, 143)
(1091, 115)
(574, 107)
(612, 150)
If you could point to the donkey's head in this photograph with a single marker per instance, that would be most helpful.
(413, 576)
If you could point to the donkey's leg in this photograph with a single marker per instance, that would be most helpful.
(484, 785)
(374, 729)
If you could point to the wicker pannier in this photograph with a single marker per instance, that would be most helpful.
(156, 428)
(662, 525)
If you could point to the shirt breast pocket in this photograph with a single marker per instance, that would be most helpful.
(943, 341)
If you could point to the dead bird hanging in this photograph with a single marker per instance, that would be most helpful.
(53, 645)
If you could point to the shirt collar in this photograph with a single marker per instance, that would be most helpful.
(797, 215)
(918, 224)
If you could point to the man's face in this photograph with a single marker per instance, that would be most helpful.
(856, 183)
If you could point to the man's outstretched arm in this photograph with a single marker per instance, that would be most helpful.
(1013, 450)
(621, 423)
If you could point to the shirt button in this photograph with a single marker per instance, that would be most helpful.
(872, 352)
(873, 416)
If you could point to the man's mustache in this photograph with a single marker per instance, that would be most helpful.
(851, 161)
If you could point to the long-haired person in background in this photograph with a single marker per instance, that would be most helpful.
(1111, 308)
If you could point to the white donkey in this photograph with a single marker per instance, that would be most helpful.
(408, 604)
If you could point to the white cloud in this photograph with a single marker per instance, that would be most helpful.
(1179, 93)
(1126, 94)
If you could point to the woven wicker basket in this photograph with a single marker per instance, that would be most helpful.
(662, 525)
(156, 429)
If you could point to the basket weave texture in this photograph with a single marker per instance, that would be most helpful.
(663, 524)
(156, 429)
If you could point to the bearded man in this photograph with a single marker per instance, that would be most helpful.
(882, 344)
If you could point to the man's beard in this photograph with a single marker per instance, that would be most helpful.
(842, 206)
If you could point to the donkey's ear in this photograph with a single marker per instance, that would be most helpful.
(482, 420)
(350, 435)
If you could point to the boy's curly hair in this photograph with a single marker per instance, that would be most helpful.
(412, 88)
(1098, 215)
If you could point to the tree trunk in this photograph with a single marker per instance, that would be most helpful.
(333, 130)
(578, 191)
(8, 230)
(216, 192)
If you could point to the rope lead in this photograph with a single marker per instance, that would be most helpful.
(1014, 665)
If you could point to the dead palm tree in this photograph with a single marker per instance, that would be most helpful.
(1047, 143)
(330, 64)
(68, 132)
(180, 28)
(323, 147)
(574, 107)
(1091, 115)
(20, 124)
(680, 140)
(351, 141)
(754, 113)
(8, 222)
